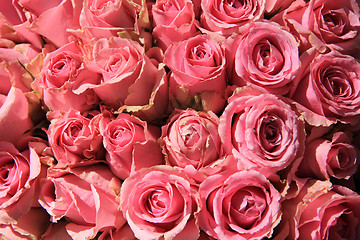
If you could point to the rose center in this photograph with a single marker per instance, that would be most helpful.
(235, 3)
(269, 133)
(190, 136)
(334, 21)
(268, 58)
(336, 82)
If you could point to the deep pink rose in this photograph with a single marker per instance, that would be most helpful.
(173, 21)
(129, 78)
(225, 17)
(190, 139)
(30, 226)
(197, 77)
(319, 22)
(329, 89)
(131, 144)
(53, 19)
(324, 158)
(86, 196)
(264, 56)
(158, 203)
(262, 131)
(322, 211)
(75, 139)
(19, 178)
(242, 205)
(62, 73)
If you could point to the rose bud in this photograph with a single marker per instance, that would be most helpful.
(131, 144)
(197, 78)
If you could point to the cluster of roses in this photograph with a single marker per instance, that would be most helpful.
(179, 119)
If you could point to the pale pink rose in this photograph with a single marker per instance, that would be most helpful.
(53, 19)
(20, 175)
(319, 22)
(105, 19)
(264, 56)
(324, 158)
(64, 71)
(241, 205)
(225, 17)
(14, 24)
(190, 139)
(262, 131)
(197, 77)
(329, 89)
(131, 144)
(30, 226)
(158, 203)
(322, 211)
(173, 21)
(130, 80)
(86, 196)
(75, 139)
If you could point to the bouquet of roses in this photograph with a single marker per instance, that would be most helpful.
(179, 119)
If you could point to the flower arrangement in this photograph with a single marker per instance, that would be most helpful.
(179, 119)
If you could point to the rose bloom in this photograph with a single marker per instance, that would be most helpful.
(14, 24)
(99, 19)
(86, 196)
(75, 139)
(197, 77)
(265, 56)
(45, 18)
(335, 157)
(62, 73)
(225, 17)
(129, 78)
(262, 131)
(241, 205)
(158, 203)
(329, 89)
(322, 211)
(173, 21)
(319, 22)
(190, 139)
(131, 144)
(20, 173)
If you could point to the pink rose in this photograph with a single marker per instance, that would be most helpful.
(197, 77)
(104, 19)
(30, 226)
(173, 21)
(242, 205)
(84, 195)
(62, 73)
(158, 203)
(14, 24)
(20, 173)
(129, 78)
(190, 139)
(319, 22)
(75, 139)
(329, 89)
(53, 19)
(262, 131)
(265, 56)
(323, 211)
(131, 144)
(225, 17)
(335, 157)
